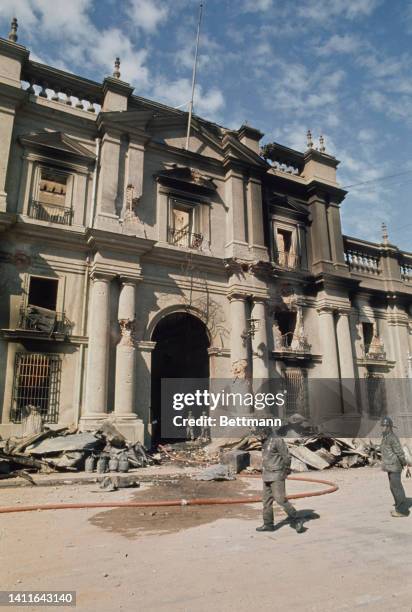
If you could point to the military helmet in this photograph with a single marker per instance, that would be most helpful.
(386, 422)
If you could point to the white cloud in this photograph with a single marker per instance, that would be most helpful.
(347, 43)
(325, 10)
(177, 93)
(256, 6)
(112, 43)
(148, 14)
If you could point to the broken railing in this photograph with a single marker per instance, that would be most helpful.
(35, 318)
(184, 238)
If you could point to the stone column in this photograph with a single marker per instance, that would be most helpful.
(347, 369)
(346, 357)
(238, 342)
(125, 389)
(260, 341)
(98, 350)
(330, 364)
(239, 352)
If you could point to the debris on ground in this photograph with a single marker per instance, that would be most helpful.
(187, 454)
(316, 452)
(113, 483)
(46, 449)
(216, 472)
(66, 449)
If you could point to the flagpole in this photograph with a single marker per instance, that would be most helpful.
(189, 121)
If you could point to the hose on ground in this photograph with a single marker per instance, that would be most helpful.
(206, 501)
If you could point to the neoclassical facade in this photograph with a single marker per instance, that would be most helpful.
(126, 258)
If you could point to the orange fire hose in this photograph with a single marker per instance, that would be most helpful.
(207, 501)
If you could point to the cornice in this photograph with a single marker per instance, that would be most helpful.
(97, 239)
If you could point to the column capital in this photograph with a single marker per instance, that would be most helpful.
(344, 311)
(325, 310)
(97, 274)
(237, 296)
(260, 299)
(129, 279)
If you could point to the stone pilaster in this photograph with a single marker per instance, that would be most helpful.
(327, 333)
(346, 362)
(98, 351)
(12, 57)
(345, 345)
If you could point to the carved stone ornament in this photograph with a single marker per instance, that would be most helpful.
(128, 332)
(240, 369)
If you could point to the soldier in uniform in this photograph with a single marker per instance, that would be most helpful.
(393, 462)
(275, 468)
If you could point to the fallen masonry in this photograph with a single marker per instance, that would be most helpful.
(107, 451)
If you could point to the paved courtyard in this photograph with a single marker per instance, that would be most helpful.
(353, 556)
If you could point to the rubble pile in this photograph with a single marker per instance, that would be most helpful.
(187, 454)
(317, 452)
(66, 449)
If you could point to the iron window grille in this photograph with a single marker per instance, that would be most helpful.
(36, 383)
(297, 389)
(376, 390)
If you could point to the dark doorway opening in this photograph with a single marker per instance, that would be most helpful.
(180, 352)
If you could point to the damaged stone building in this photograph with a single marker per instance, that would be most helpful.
(127, 257)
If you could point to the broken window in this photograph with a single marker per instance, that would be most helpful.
(36, 385)
(367, 332)
(183, 222)
(285, 247)
(286, 321)
(40, 311)
(43, 292)
(50, 204)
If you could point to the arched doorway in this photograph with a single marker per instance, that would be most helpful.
(181, 352)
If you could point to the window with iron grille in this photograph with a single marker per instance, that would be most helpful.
(376, 388)
(36, 383)
(297, 392)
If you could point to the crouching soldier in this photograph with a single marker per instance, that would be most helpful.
(275, 468)
(393, 462)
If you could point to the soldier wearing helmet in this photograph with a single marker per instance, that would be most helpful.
(275, 468)
(393, 462)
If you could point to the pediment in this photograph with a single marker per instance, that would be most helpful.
(57, 141)
(236, 150)
(288, 203)
(189, 178)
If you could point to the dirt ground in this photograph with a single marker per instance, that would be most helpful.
(352, 556)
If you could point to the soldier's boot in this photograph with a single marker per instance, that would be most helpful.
(397, 514)
(266, 528)
(297, 524)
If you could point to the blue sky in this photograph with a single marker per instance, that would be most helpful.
(342, 68)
